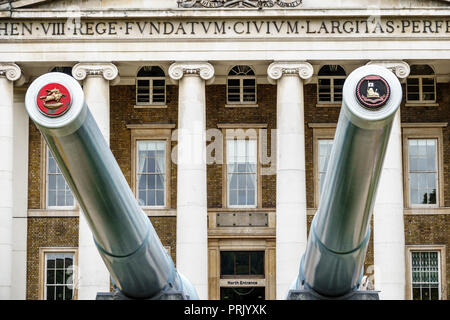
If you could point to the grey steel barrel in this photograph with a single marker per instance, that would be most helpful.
(332, 265)
(128, 244)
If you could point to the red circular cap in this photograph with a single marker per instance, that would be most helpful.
(54, 100)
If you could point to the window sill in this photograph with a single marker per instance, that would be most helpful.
(159, 212)
(150, 106)
(241, 105)
(329, 105)
(53, 213)
(421, 104)
(426, 211)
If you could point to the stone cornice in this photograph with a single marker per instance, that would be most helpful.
(277, 69)
(399, 67)
(42, 13)
(204, 70)
(107, 70)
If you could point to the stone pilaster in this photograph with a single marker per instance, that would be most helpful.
(192, 229)
(9, 73)
(291, 226)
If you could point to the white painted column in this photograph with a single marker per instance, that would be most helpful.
(192, 229)
(291, 223)
(20, 195)
(388, 231)
(96, 77)
(9, 72)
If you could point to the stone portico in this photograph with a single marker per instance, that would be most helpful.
(105, 46)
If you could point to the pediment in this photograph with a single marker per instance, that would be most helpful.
(212, 4)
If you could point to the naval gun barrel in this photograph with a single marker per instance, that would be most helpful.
(333, 263)
(139, 265)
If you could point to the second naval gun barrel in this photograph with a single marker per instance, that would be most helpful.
(333, 263)
(138, 263)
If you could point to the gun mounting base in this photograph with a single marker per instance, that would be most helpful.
(312, 295)
(164, 295)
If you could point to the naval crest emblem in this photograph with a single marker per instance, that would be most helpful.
(373, 92)
(53, 99)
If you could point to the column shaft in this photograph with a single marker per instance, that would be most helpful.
(291, 189)
(388, 231)
(192, 235)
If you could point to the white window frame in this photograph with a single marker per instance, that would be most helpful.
(159, 132)
(441, 249)
(423, 131)
(46, 151)
(321, 131)
(418, 205)
(421, 101)
(43, 269)
(241, 79)
(318, 162)
(332, 95)
(256, 176)
(165, 174)
(151, 86)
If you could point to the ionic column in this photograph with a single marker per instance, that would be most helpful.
(291, 224)
(192, 229)
(9, 72)
(96, 77)
(388, 230)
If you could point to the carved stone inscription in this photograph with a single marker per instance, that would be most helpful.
(226, 28)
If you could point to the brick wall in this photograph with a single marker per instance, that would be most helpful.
(34, 168)
(432, 229)
(217, 113)
(46, 233)
(123, 113)
(166, 228)
(434, 114)
(314, 114)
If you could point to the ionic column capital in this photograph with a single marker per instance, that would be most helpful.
(107, 70)
(204, 70)
(277, 69)
(12, 72)
(399, 67)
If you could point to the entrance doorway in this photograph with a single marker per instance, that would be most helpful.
(242, 275)
(242, 294)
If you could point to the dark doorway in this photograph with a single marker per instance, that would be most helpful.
(241, 294)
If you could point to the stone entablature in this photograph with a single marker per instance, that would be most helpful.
(226, 28)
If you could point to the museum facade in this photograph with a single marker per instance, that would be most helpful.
(221, 115)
